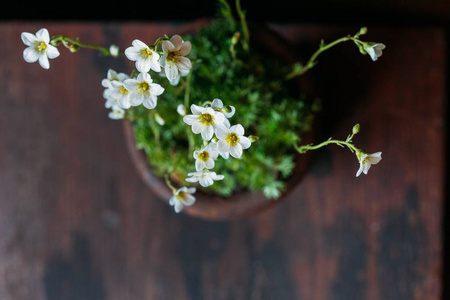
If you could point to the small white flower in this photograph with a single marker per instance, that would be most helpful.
(143, 90)
(205, 178)
(115, 93)
(205, 158)
(374, 50)
(232, 140)
(119, 93)
(175, 82)
(116, 113)
(182, 197)
(366, 161)
(217, 104)
(144, 57)
(204, 120)
(113, 76)
(39, 48)
(173, 59)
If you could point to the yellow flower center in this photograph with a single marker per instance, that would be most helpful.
(40, 47)
(232, 139)
(206, 119)
(181, 195)
(204, 156)
(123, 90)
(145, 53)
(171, 57)
(143, 87)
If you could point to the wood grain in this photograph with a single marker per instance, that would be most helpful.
(77, 222)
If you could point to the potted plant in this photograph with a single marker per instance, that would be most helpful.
(215, 118)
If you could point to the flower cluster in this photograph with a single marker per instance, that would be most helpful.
(228, 140)
(129, 95)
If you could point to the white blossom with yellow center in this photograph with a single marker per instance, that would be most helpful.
(204, 120)
(182, 197)
(144, 57)
(173, 59)
(366, 161)
(205, 158)
(143, 90)
(39, 48)
(232, 140)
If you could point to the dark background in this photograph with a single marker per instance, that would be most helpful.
(379, 13)
(434, 12)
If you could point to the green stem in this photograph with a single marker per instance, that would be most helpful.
(66, 40)
(169, 184)
(245, 30)
(312, 61)
(306, 148)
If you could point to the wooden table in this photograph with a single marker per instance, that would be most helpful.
(77, 222)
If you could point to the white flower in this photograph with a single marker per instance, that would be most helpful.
(175, 82)
(115, 93)
(232, 140)
(205, 178)
(116, 113)
(374, 50)
(228, 112)
(142, 90)
(366, 161)
(113, 76)
(118, 93)
(182, 197)
(39, 48)
(205, 158)
(204, 120)
(144, 57)
(173, 59)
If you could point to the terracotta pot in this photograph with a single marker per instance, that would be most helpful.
(213, 207)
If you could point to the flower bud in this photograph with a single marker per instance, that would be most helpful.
(253, 138)
(159, 119)
(74, 48)
(227, 109)
(363, 31)
(181, 110)
(355, 129)
(235, 38)
(114, 50)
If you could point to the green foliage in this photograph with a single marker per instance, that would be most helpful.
(266, 106)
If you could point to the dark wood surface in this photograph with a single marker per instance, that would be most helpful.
(77, 222)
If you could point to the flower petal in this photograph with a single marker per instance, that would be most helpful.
(42, 35)
(29, 55)
(43, 61)
(245, 142)
(236, 151)
(185, 48)
(52, 52)
(28, 38)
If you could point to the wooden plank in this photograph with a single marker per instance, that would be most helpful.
(77, 222)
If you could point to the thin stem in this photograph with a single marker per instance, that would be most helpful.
(65, 40)
(169, 184)
(244, 26)
(306, 148)
(300, 70)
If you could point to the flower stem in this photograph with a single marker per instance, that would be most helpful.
(245, 31)
(300, 69)
(306, 148)
(169, 184)
(66, 40)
